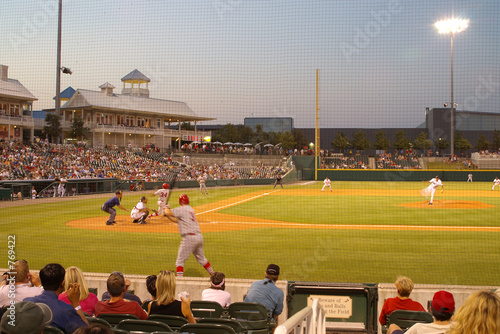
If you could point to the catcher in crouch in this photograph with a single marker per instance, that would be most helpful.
(431, 189)
(162, 200)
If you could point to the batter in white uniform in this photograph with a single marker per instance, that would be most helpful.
(496, 182)
(435, 183)
(327, 183)
(192, 240)
(202, 180)
(162, 200)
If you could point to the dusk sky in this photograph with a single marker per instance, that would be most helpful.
(381, 62)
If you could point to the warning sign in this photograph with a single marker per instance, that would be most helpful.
(334, 306)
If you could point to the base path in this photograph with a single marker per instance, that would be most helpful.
(211, 220)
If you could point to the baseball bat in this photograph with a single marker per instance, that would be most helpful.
(172, 186)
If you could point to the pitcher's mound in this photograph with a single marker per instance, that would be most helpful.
(448, 204)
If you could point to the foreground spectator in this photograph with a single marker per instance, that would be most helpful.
(26, 284)
(28, 318)
(126, 295)
(216, 292)
(267, 293)
(480, 314)
(166, 302)
(441, 308)
(404, 286)
(64, 316)
(87, 299)
(116, 288)
(94, 329)
(151, 286)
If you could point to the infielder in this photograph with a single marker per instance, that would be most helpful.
(110, 203)
(496, 182)
(469, 177)
(327, 183)
(192, 240)
(162, 200)
(435, 183)
(202, 180)
(140, 211)
(278, 180)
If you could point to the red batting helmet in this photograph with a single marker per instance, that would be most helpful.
(165, 186)
(183, 199)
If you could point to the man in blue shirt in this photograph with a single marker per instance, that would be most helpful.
(64, 316)
(267, 293)
(110, 203)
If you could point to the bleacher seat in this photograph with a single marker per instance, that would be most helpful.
(173, 321)
(206, 309)
(207, 329)
(147, 326)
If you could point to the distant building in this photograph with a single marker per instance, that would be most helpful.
(16, 109)
(130, 118)
(270, 124)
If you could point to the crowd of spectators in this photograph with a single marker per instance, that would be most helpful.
(42, 160)
(397, 161)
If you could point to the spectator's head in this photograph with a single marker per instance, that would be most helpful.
(151, 285)
(404, 286)
(480, 314)
(273, 272)
(22, 271)
(75, 275)
(52, 277)
(442, 306)
(116, 284)
(165, 287)
(26, 318)
(94, 329)
(218, 281)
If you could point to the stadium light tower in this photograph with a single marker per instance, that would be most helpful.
(452, 26)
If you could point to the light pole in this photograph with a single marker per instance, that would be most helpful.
(452, 26)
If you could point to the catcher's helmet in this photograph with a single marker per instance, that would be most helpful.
(165, 186)
(183, 199)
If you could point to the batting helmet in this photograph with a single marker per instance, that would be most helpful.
(165, 186)
(183, 199)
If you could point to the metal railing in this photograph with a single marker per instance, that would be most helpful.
(309, 320)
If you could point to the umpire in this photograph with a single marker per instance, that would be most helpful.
(110, 203)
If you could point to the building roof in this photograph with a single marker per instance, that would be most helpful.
(67, 93)
(13, 88)
(174, 110)
(106, 85)
(136, 75)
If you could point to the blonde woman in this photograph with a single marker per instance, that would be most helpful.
(165, 302)
(480, 314)
(87, 299)
(404, 286)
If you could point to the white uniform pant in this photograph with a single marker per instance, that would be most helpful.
(322, 189)
(191, 244)
(494, 185)
(61, 191)
(433, 190)
(161, 207)
(203, 187)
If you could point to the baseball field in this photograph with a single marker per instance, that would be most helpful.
(368, 232)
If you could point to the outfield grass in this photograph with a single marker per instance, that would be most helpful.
(369, 256)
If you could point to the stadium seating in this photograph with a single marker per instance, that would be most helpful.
(94, 320)
(405, 319)
(114, 318)
(173, 321)
(206, 329)
(234, 324)
(206, 309)
(253, 316)
(147, 326)
(52, 330)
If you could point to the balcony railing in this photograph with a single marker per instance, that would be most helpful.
(17, 120)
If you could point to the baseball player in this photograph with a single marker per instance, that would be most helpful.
(192, 240)
(435, 183)
(327, 183)
(140, 211)
(110, 203)
(496, 182)
(33, 192)
(469, 177)
(162, 200)
(202, 180)
(61, 189)
(278, 180)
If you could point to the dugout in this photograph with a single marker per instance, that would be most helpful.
(350, 307)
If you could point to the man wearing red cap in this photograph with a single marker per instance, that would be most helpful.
(441, 308)
(192, 240)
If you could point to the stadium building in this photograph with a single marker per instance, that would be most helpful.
(16, 109)
(129, 118)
